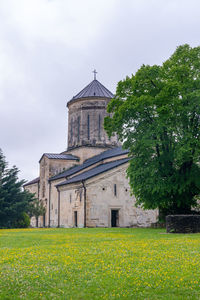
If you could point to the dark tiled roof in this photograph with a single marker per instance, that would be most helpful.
(60, 156)
(94, 89)
(95, 171)
(36, 180)
(89, 162)
(107, 154)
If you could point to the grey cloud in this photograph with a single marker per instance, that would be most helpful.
(49, 48)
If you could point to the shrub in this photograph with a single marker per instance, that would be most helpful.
(23, 221)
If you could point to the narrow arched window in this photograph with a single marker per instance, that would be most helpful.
(78, 129)
(88, 126)
(115, 190)
(99, 128)
(71, 130)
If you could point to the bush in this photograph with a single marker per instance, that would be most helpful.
(23, 221)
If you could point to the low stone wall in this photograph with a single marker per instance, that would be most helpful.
(183, 223)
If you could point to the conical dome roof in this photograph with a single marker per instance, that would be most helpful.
(94, 89)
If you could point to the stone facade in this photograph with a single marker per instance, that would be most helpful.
(34, 188)
(85, 123)
(48, 168)
(105, 193)
(85, 152)
(86, 185)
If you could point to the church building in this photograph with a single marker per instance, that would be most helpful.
(86, 185)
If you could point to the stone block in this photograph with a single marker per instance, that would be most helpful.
(183, 223)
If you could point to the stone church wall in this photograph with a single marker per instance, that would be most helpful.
(48, 168)
(71, 200)
(102, 197)
(85, 123)
(54, 202)
(86, 152)
(111, 191)
(33, 188)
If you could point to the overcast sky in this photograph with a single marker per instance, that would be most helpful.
(48, 50)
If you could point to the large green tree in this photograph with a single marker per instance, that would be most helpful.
(156, 115)
(15, 203)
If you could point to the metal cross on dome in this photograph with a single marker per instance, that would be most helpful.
(95, 72)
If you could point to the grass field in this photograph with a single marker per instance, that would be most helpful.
(98, 264)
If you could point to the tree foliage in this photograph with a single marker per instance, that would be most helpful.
(14, 202)
(156, 115)
(36, 209)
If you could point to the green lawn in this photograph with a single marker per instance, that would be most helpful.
(99, 264)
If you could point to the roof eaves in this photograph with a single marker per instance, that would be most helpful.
(89, 162)
(36, 180)
(71, 180)
(59, 156)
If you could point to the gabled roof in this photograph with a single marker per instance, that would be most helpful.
(36, 180)
(94, 89)
(59, 156)
(94, 171)
(118, 151)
